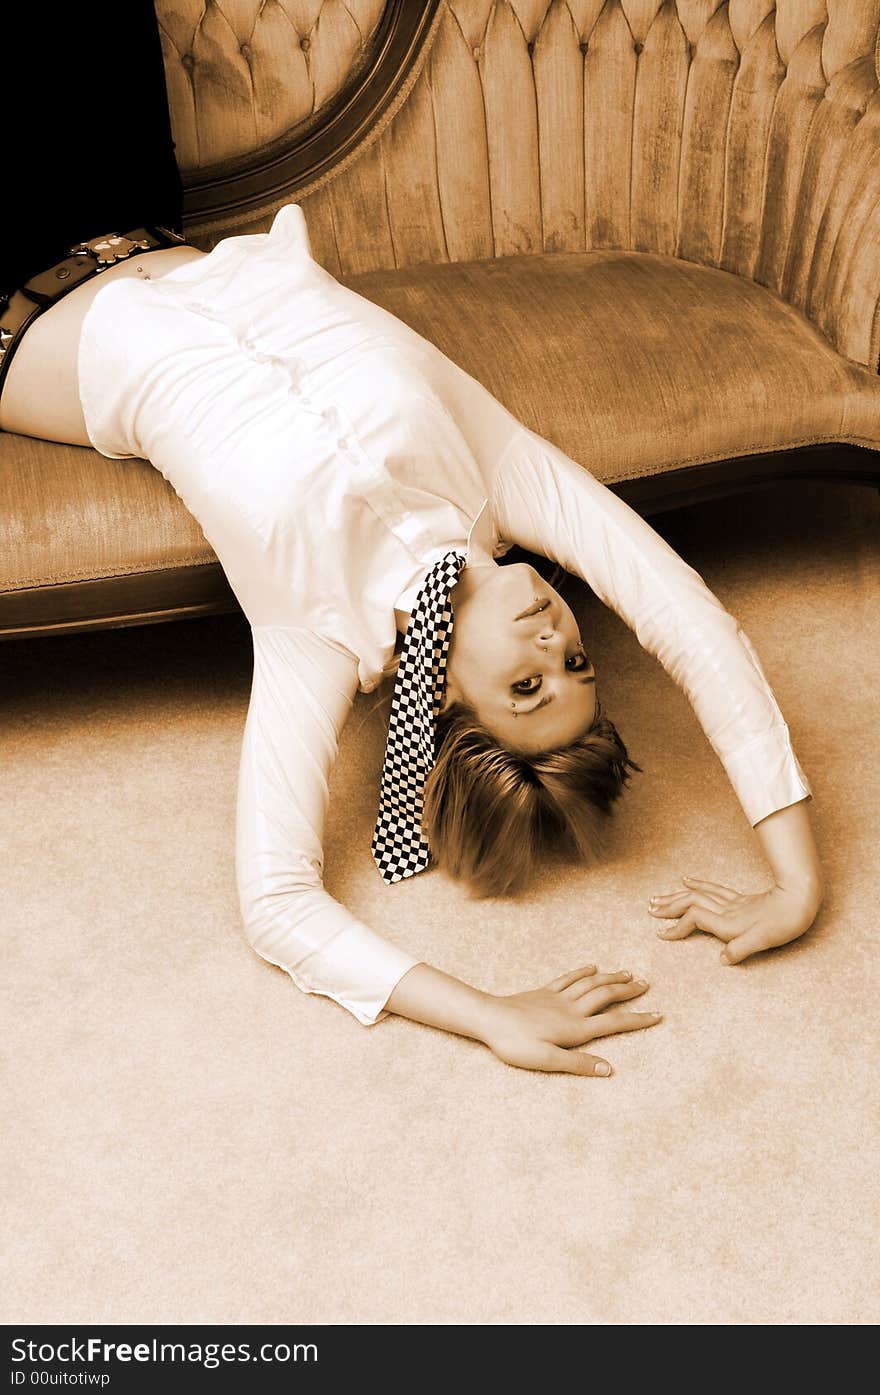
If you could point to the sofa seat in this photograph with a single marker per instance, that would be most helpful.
(89, 542)
(635, 364)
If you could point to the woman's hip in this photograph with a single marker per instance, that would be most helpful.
(40, 392)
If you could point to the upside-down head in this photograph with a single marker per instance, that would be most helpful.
(527, 765)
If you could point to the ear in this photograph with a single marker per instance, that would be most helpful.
(451, 693)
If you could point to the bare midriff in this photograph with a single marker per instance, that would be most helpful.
(40, 396)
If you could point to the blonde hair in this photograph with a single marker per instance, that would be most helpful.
(492, 816)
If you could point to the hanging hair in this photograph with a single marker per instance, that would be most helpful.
(492, 816)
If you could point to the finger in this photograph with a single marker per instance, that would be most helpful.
(698, 918)
(597, 999)
(696, 899)
(621, 1019)
(565, 980)
(667, 895)
(573, 1062)
(738, 949)
(689, 897)
(697, 884)
(590, 981)
(726, 893)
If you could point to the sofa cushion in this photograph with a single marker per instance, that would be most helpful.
(632, 363)
(82, 536)
(635, 363)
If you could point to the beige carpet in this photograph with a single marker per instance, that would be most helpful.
(191, 1139)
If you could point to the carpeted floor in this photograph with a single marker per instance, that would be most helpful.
(191, 1139)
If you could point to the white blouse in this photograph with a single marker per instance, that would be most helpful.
(331, 455)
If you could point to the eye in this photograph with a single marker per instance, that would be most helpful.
(528, 686)
(575, 663)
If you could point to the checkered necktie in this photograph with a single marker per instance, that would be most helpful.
(398, 846)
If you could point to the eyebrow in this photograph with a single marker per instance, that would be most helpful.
(527, 712)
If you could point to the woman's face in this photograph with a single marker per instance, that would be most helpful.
(516, 657)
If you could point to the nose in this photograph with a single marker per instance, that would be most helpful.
(548, 638)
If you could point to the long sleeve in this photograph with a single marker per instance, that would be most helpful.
(302, 692)
(546, 502)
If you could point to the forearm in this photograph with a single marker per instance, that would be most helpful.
(787, 840)
(428, 995)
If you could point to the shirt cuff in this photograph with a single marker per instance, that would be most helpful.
(357, 969)
(766, 775)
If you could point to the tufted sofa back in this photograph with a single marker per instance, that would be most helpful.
(739, 134)
(243, 73)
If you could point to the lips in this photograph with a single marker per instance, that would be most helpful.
(533, 609)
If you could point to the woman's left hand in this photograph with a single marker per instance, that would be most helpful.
(748, 922)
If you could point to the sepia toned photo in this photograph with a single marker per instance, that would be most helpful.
(439, 470)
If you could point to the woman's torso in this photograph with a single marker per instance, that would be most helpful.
(47, 358)
(329, 452)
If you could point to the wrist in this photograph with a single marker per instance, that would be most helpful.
(807, 889)
(492, 1012)
(790, 848)
(427, 994)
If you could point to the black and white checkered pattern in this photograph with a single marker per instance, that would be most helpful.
(398, 846)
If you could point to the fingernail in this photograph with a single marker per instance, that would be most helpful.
(603, 1068)
(627, 976)
(649, 1014)
(639, 983)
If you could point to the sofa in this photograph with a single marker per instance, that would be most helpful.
(650, 227)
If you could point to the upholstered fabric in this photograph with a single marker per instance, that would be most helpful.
(743, 135)
(241, 73)
(84, 538)
(634, 363)
(75, 514)
(631, 363)
(650, 227)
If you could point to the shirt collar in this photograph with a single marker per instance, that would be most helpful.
(481, 542)
(481, 537)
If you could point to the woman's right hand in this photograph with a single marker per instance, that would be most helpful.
(538, 1030)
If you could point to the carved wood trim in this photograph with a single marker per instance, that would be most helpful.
(238, 191)
(696, 484)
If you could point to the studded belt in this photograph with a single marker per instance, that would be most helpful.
(86, 259)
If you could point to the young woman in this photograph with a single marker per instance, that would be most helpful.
(334, 458)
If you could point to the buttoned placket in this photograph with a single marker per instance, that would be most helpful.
(377, 485)
(293, 369)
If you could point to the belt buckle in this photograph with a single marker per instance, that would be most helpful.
(110, 248)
